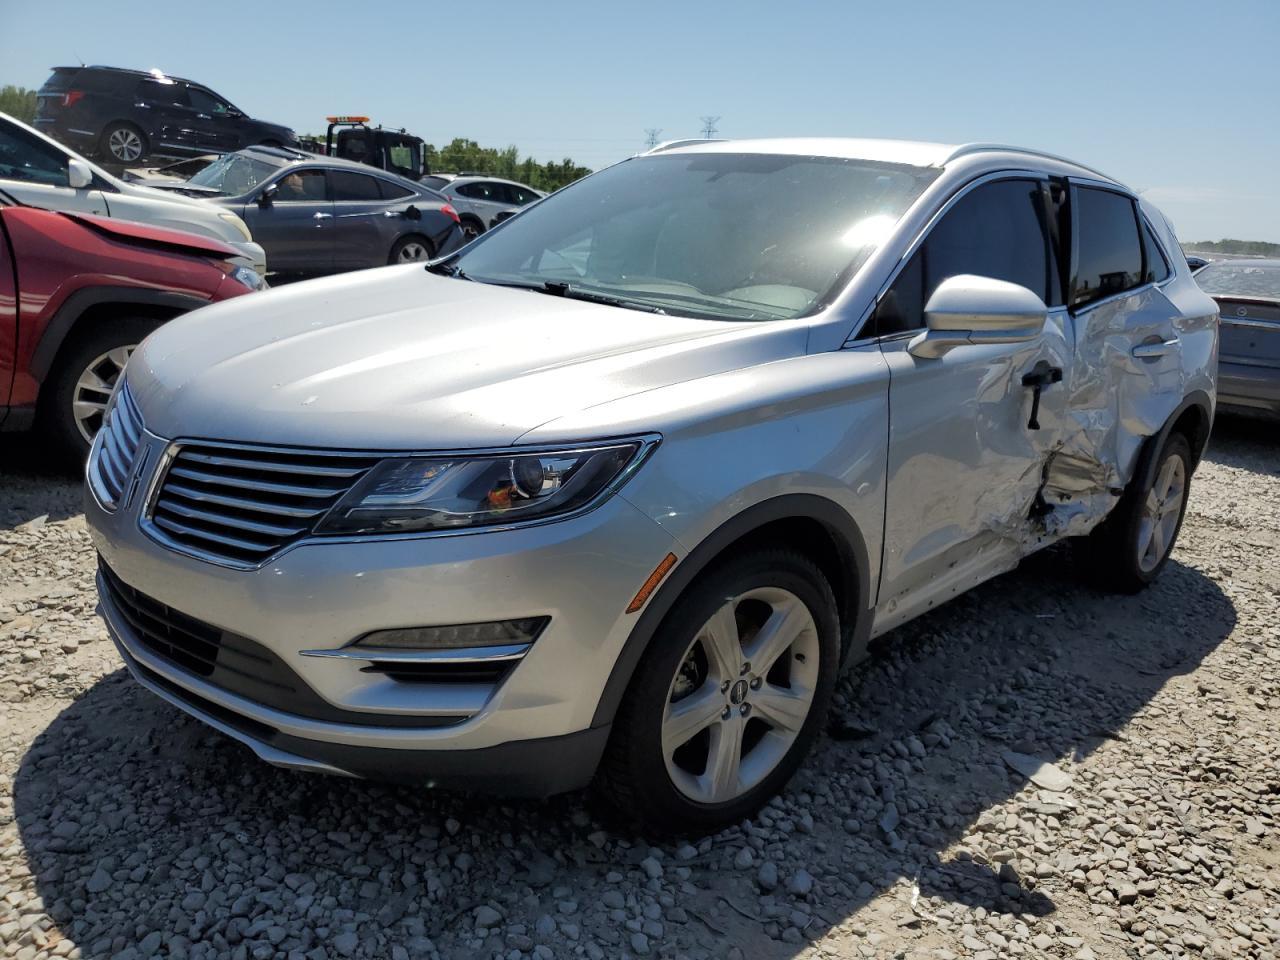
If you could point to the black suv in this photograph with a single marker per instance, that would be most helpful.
(125, 116)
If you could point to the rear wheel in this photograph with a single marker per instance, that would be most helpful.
(411, 249)
(74, 398)
(729, 698)
(124, 143)
(1128, 550)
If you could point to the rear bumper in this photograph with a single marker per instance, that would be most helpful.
(1249, 388)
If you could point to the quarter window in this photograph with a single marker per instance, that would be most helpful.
(996, 230)
(1155, 267)
(393, 191)
(1109, 252)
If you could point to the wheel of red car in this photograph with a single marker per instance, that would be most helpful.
(411, 249)
(74, 397)
(124, 143)
(729, 698)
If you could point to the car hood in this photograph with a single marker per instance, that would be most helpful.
(181, 240)
(398, 358)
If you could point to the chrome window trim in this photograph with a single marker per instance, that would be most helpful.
(1013, 173)
(496, 654)
(649, 442)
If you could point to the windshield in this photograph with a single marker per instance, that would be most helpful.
(723, 235)
(1240, 278)
(233, 174)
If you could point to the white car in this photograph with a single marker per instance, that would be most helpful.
(480, 200)
(43, 173)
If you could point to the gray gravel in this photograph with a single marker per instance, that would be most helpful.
(1035, 770)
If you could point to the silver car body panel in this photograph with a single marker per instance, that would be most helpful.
(931, 459)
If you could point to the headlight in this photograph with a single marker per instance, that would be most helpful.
(239, 224)
(249, 277)
(448, 493)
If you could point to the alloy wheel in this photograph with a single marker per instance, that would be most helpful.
(741, 695)
(1161, 512)
(125, 145)
(93, 389)
(414, 251)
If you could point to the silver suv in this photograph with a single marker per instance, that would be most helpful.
(481, 200)
(616, 491)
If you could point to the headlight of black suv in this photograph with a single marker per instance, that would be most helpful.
(448, 493)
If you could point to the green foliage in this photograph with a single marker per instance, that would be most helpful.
(1253, 248)
(18, 102)
(462, 154)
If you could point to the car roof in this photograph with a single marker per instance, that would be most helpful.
(152, 74)
(469, 177)
(283, 157)
(915, 153)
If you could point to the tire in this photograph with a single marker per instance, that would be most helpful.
(1130, 548)
(471, 228)
(675, 789)
(412, 249)
(64, 413)
(124, 143)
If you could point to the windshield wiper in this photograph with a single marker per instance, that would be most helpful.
(446, 269)
(563, 289)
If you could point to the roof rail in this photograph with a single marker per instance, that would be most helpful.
(967, 148)
(672, 144)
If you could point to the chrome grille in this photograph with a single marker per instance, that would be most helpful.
(242, 504)
(116, 448)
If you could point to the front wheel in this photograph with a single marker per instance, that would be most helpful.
(74, 398)
(1131, 547)
(729, 698)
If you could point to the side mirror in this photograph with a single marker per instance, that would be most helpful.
(968, 309)
(268, 194)
(79, 175)
(413, 213)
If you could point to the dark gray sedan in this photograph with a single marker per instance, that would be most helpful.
(317, 215)
(1248, 296)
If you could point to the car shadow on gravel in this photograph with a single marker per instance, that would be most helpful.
(1246, 442)
(141, 826)
(34, 482)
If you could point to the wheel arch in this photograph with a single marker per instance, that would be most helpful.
(1194, 419)
(815, 526)
(96, 304)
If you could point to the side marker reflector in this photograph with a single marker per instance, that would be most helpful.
(650, 585)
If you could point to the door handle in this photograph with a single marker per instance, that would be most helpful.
(1041, 375)
(322, 216)
(1153, 351)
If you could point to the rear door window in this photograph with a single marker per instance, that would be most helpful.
(353, 186)
(1109, 249)
(163, 92)
(996, 230)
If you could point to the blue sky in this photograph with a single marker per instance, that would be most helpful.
(1174, 98)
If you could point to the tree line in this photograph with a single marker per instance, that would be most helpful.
(1251, 248)
(467, 155)
(18, 102)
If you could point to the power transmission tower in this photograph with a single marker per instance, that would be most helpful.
(709, 127)
(651, 135)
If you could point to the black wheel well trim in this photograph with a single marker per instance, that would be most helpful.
(82, 301)
(1149, 456)
(851, 551)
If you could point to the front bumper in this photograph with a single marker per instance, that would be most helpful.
(529, 733)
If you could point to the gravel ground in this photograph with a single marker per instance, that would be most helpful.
(1035, 770)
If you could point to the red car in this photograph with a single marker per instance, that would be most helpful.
(77, 294)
